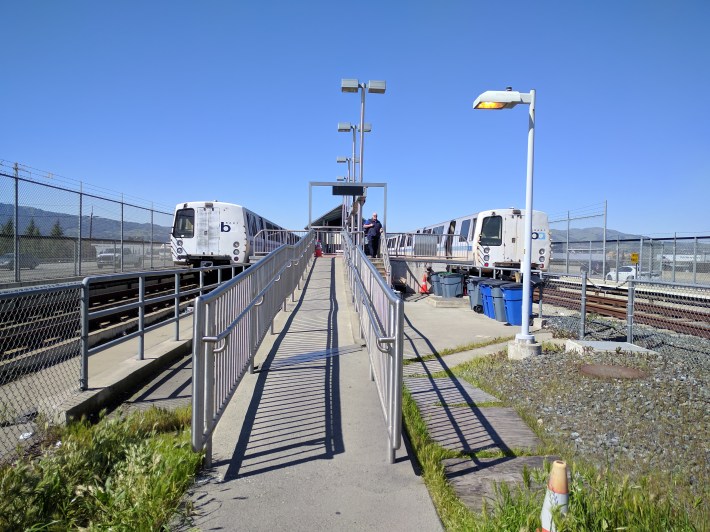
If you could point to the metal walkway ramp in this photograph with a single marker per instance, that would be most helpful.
(301, 443)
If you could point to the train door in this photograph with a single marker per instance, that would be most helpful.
(514, 237)
(207, 234)
(449, 238)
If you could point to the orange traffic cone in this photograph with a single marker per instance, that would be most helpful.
(423, 288)
(556, 495)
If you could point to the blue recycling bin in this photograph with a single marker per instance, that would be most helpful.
(486, 298)
(451, 284)
(435, 283)
(475, 297)
(513, 298)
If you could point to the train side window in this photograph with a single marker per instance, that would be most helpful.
(438, 230)
(492, 231)
(465, 225)
(184, 223)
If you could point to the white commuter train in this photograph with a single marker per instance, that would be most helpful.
(488, 239)
(217, 233)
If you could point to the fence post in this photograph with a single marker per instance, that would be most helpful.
(583, 310)
(79, 235)
(695, 259)
(675, 248)
(17, 223)
(84, 309)
(630, 313)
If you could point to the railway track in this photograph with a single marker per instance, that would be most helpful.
(657, 308)
(29, 327)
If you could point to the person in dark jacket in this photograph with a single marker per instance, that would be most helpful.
(373, 230)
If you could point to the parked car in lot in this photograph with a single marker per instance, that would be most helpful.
(7, 261)
(113, 258)
(630, 272)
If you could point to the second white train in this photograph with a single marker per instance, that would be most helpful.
(488, 239)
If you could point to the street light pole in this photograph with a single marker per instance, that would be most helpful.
(524, 344)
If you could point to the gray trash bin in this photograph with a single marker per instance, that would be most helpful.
(435, 283)
(474, 293)
(451, 284)
(497, 300)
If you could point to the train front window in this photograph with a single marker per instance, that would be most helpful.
(184, 223)
(492, 231)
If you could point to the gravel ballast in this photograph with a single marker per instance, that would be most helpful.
(655, 424)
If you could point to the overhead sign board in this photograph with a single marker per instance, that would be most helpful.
(348, 190)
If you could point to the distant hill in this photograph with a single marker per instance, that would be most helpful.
(96, 227)
(590, 233)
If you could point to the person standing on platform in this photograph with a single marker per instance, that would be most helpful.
(373, 230)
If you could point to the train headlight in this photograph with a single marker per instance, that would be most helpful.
(542, 252)
(180, 251)
(486, 249)
(179, 243)
(236, 252)
(486, 257)
(535, 236)
(541, 259)
(236, 245)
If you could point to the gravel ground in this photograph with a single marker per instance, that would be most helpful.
(654, 424)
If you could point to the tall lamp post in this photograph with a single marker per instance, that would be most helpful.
(345, 127)
(353, 85)
(524, 344)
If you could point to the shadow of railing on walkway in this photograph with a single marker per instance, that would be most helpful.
(294, 414)
(453, 419)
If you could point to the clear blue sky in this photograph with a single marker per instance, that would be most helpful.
(174, 101)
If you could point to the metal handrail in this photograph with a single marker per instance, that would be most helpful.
(87, 349)
(384, 253)
(381, 316)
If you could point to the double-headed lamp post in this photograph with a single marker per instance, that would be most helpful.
(525, 344)
(353, 85)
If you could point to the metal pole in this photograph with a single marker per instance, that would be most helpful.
(630, 313)
(141, 317)
(16, 218)
(695, 258)
(81, 211)
(675, 249)
(640, 262)
(583, 310)
(567, 254)
(604, 245)
(120, 253)
(617, 259)
(363, 86)
(84, 371)
(524, 334)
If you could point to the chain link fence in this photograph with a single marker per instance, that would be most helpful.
(672, 318)
(59, 229)
(673, 259)
(40, 331)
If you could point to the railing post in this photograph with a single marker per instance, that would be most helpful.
(198, 377)
(209, 372)
(177, 307)
(84, 371)
(141, 317)
(630, 312)
(583, 310)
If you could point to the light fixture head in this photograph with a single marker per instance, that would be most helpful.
(344, 126)
(500, 99)
(378, 87)
(341, 160)
(349, 85)
(366, 127)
